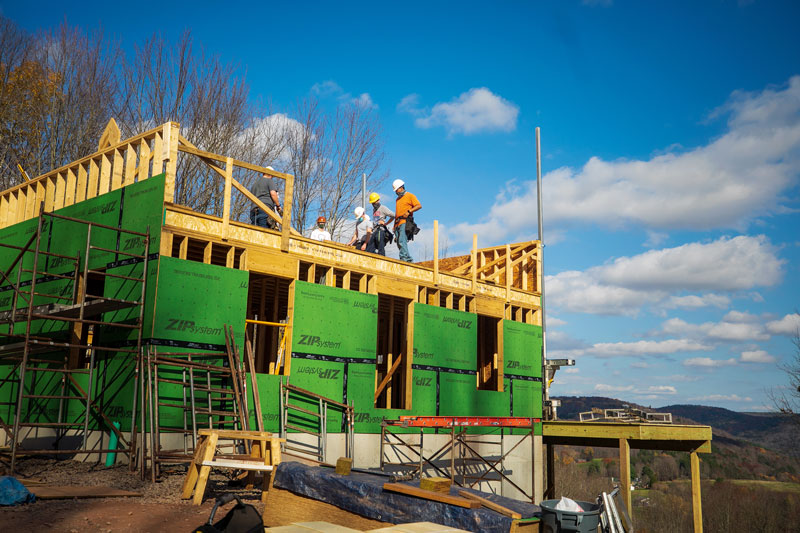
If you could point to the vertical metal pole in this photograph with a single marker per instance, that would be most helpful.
(89, 389)
(546, 380)
(131, 458)
(383, 440)
(183, 394)
(209, 401)
(193, 406)
(153, 443)
(282, 408)
(364, 191)
(452, 453)
(321, 436)
(26, 349)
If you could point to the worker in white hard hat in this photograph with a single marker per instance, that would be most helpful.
(382, 216)
(404, 210)
(266, 190)
(363, 231)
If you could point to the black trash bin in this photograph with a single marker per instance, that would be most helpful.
(556, 521)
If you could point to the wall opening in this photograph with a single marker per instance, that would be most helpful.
(392, 346)
(267, 301)
(488, 352)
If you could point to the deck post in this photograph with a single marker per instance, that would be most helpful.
(625, 472)
(697, 508)
(550, 490)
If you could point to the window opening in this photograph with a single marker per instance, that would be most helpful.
(267, 301)
(392, 347)
(488, 352)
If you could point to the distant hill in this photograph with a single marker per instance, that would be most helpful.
(758, 445)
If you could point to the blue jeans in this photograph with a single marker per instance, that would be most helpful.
(402, 243)
(260, 218)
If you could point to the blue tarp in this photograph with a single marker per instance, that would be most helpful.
(12, 492)
(363, 494)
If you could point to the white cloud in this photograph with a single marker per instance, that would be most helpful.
(555, 322)
(624, 285)
(737, 177)
(788, 325)
(756, 356)
(659, 389)
(571, 370)
(721, 398)
(331, 89)
(602, 387)
(633, 349)
(721, 331)
(694, 301)
(707, 362)
(477, 110)
(640, 364)
(410, 104)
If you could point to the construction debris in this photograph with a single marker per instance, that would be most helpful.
(436, 484)
(344, 465)
(626, 414)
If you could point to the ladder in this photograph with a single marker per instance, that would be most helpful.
(311, 418)
(52, 338)
(211, 396)
(614, 517)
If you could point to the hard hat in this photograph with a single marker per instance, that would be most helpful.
(321, 220)
(374, 197)
(270, 168)
(396, 184)
(359, 211)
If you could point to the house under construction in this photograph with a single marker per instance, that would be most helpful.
(129, 322)
(109, 287)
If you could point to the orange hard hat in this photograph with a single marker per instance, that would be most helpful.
(321, 220)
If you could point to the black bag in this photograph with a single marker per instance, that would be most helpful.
(243, 518)
(411, 227)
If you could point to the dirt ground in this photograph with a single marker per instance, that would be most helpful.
(160, 507)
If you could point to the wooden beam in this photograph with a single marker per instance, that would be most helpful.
(226, 202)
(489, 504)
(189, 148)
(388, 376)
(110, 136)
(697, 507)
(436, 252)
(431, 495)
(286, 223)
(625, 472)
(474, 261)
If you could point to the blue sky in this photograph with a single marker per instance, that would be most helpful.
(671, 157)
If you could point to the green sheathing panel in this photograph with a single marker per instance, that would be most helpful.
(325, 378)
(194, 301)
(522, 349)
(526, 397)
(134, 207)
(269, 389)
(361, 391)
(334, 339)
(445, 338)
(334, 322)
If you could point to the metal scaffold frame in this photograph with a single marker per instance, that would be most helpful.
(84, 311)
(461, 444)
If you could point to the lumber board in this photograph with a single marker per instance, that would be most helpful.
(239, 465)
(436, 484)
(431, 495)
(505, 511)
(55, 492)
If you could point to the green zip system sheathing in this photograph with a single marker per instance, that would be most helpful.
(135, 207)
(522, 355)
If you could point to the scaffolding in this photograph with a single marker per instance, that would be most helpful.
(62, 334)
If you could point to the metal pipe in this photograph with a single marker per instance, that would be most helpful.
(541, 256)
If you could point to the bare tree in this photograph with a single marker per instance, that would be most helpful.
(209, 98)
(328, 156)
(59, 89)
(787, 401)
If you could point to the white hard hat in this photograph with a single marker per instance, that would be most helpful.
(270, 168)
(359, 211)
(396, 184)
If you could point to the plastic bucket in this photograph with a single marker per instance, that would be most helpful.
(555, 521)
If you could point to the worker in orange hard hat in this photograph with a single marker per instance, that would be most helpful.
(382, 216)
(320, 233)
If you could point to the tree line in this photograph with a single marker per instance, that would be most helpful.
(59, 87)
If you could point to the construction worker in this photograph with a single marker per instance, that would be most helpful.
(406, 205)
(265, 190)
(382, 216)
(363, 231)
(320, 233)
